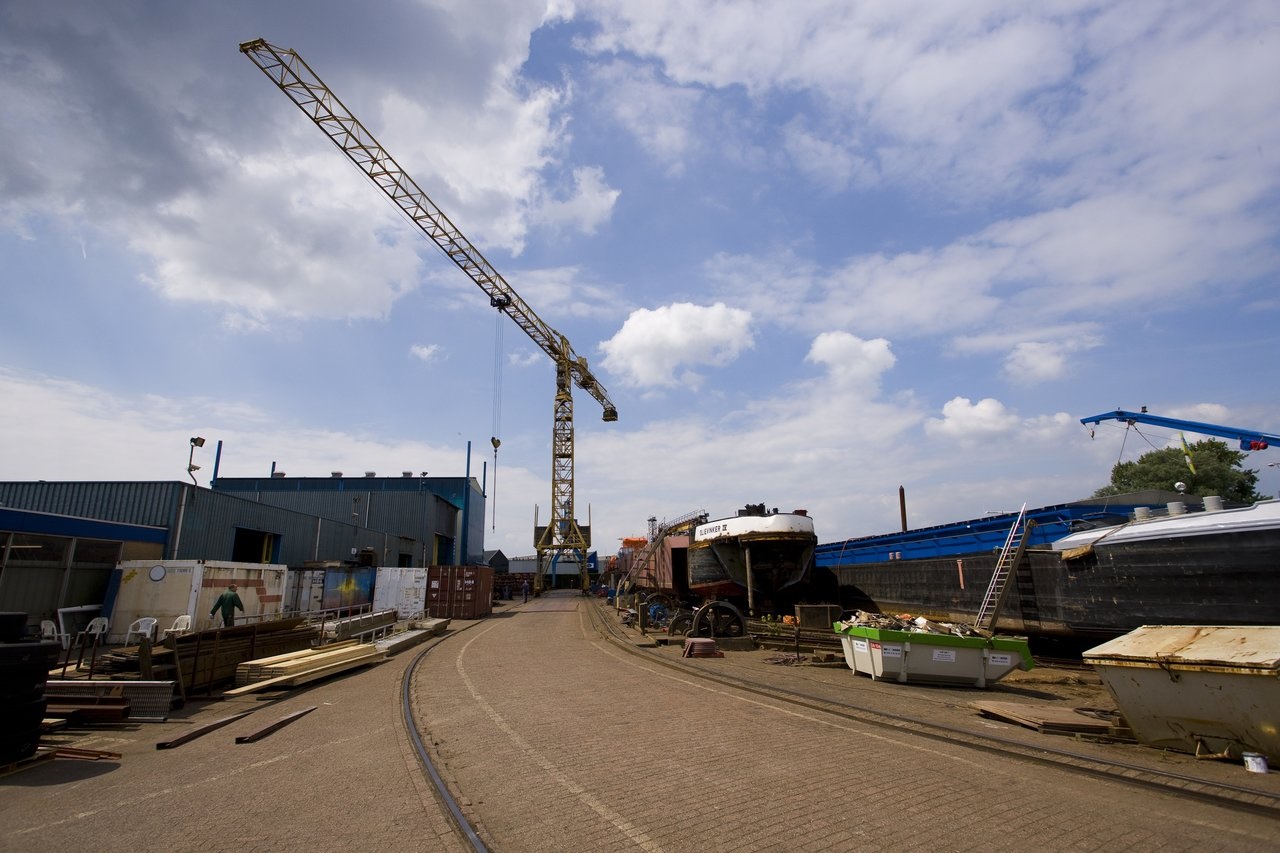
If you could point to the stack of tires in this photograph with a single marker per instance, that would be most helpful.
(24, 670)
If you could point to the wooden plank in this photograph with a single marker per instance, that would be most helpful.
(201, 731)
(86, 754)
(278, 724)
(250, 672)
(301, 653)
(300, 678)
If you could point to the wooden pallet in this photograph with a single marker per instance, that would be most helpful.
(1047, 719)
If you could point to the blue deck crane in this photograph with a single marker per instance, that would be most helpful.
(1249, 439)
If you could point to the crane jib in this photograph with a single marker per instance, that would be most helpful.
(303, 86)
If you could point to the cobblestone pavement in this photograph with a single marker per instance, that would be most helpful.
(555, 740)
(343, 777)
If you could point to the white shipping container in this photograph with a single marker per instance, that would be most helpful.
(401, 589)
(167, 589)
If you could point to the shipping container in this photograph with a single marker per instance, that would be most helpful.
(401, 589)
(167, 589)
(459, 592)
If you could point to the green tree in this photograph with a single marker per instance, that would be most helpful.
(1218, 472)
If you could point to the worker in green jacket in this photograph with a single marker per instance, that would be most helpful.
(228, 603)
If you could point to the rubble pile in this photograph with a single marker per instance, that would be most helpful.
(907, 622)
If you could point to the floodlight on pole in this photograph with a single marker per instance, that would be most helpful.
(192, 468)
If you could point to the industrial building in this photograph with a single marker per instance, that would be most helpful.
(60, 541)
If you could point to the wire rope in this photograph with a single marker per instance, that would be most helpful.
(495, 438)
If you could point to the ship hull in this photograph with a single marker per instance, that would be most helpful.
(768, 558)
(1219, 568)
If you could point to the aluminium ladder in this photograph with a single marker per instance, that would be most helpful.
(1014, 545)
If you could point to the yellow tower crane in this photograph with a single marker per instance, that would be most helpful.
(296, 79)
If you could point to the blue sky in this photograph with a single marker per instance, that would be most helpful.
(814, 251)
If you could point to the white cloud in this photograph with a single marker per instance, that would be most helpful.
(908, 294)
(1031, 362)
(589, 205)
(965, 422)
(653, 345)
(832, 162)
(481, 163)
(557, 292)
(296, 254)
(852, 362)
(661, 116)
(425, 352)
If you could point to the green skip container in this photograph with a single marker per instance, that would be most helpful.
(923, 658)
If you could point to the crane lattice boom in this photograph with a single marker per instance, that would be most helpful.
(296, 79)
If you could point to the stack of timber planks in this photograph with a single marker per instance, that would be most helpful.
(203, 659)
(298, 668)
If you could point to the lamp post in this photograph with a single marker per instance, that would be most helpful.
(192, 468)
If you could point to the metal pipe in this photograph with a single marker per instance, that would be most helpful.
(466, 508)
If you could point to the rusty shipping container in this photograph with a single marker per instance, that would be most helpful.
(459, 592)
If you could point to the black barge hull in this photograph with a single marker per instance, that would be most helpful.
(1110, 590)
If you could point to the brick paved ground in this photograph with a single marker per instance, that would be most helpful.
(556, 740)
(341, 778)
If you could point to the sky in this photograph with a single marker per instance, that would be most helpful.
(814, 252)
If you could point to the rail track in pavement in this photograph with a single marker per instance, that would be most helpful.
(1238, 797)
(1235, 797)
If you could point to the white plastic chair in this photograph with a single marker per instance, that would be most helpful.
(144, 627)
(181, 625)
(49, 631)
(96, 629)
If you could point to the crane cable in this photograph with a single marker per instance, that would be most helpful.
(499, 304)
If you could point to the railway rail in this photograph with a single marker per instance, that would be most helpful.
(1239, 797)
(1235, 797)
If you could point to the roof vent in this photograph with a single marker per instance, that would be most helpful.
(371, 473)
(335, 474)
(406, 473)
(277, 475)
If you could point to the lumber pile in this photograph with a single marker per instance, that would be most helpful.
(203, 659)
(298, 668)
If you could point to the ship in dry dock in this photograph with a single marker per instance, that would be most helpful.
(758, 561)
(763, 555)
(1087, 575)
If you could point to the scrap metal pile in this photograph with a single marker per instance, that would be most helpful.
(907, 622)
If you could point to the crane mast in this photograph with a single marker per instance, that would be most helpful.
(308, 92)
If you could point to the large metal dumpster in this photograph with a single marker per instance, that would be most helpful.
(1197, 688)
(925, 658)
